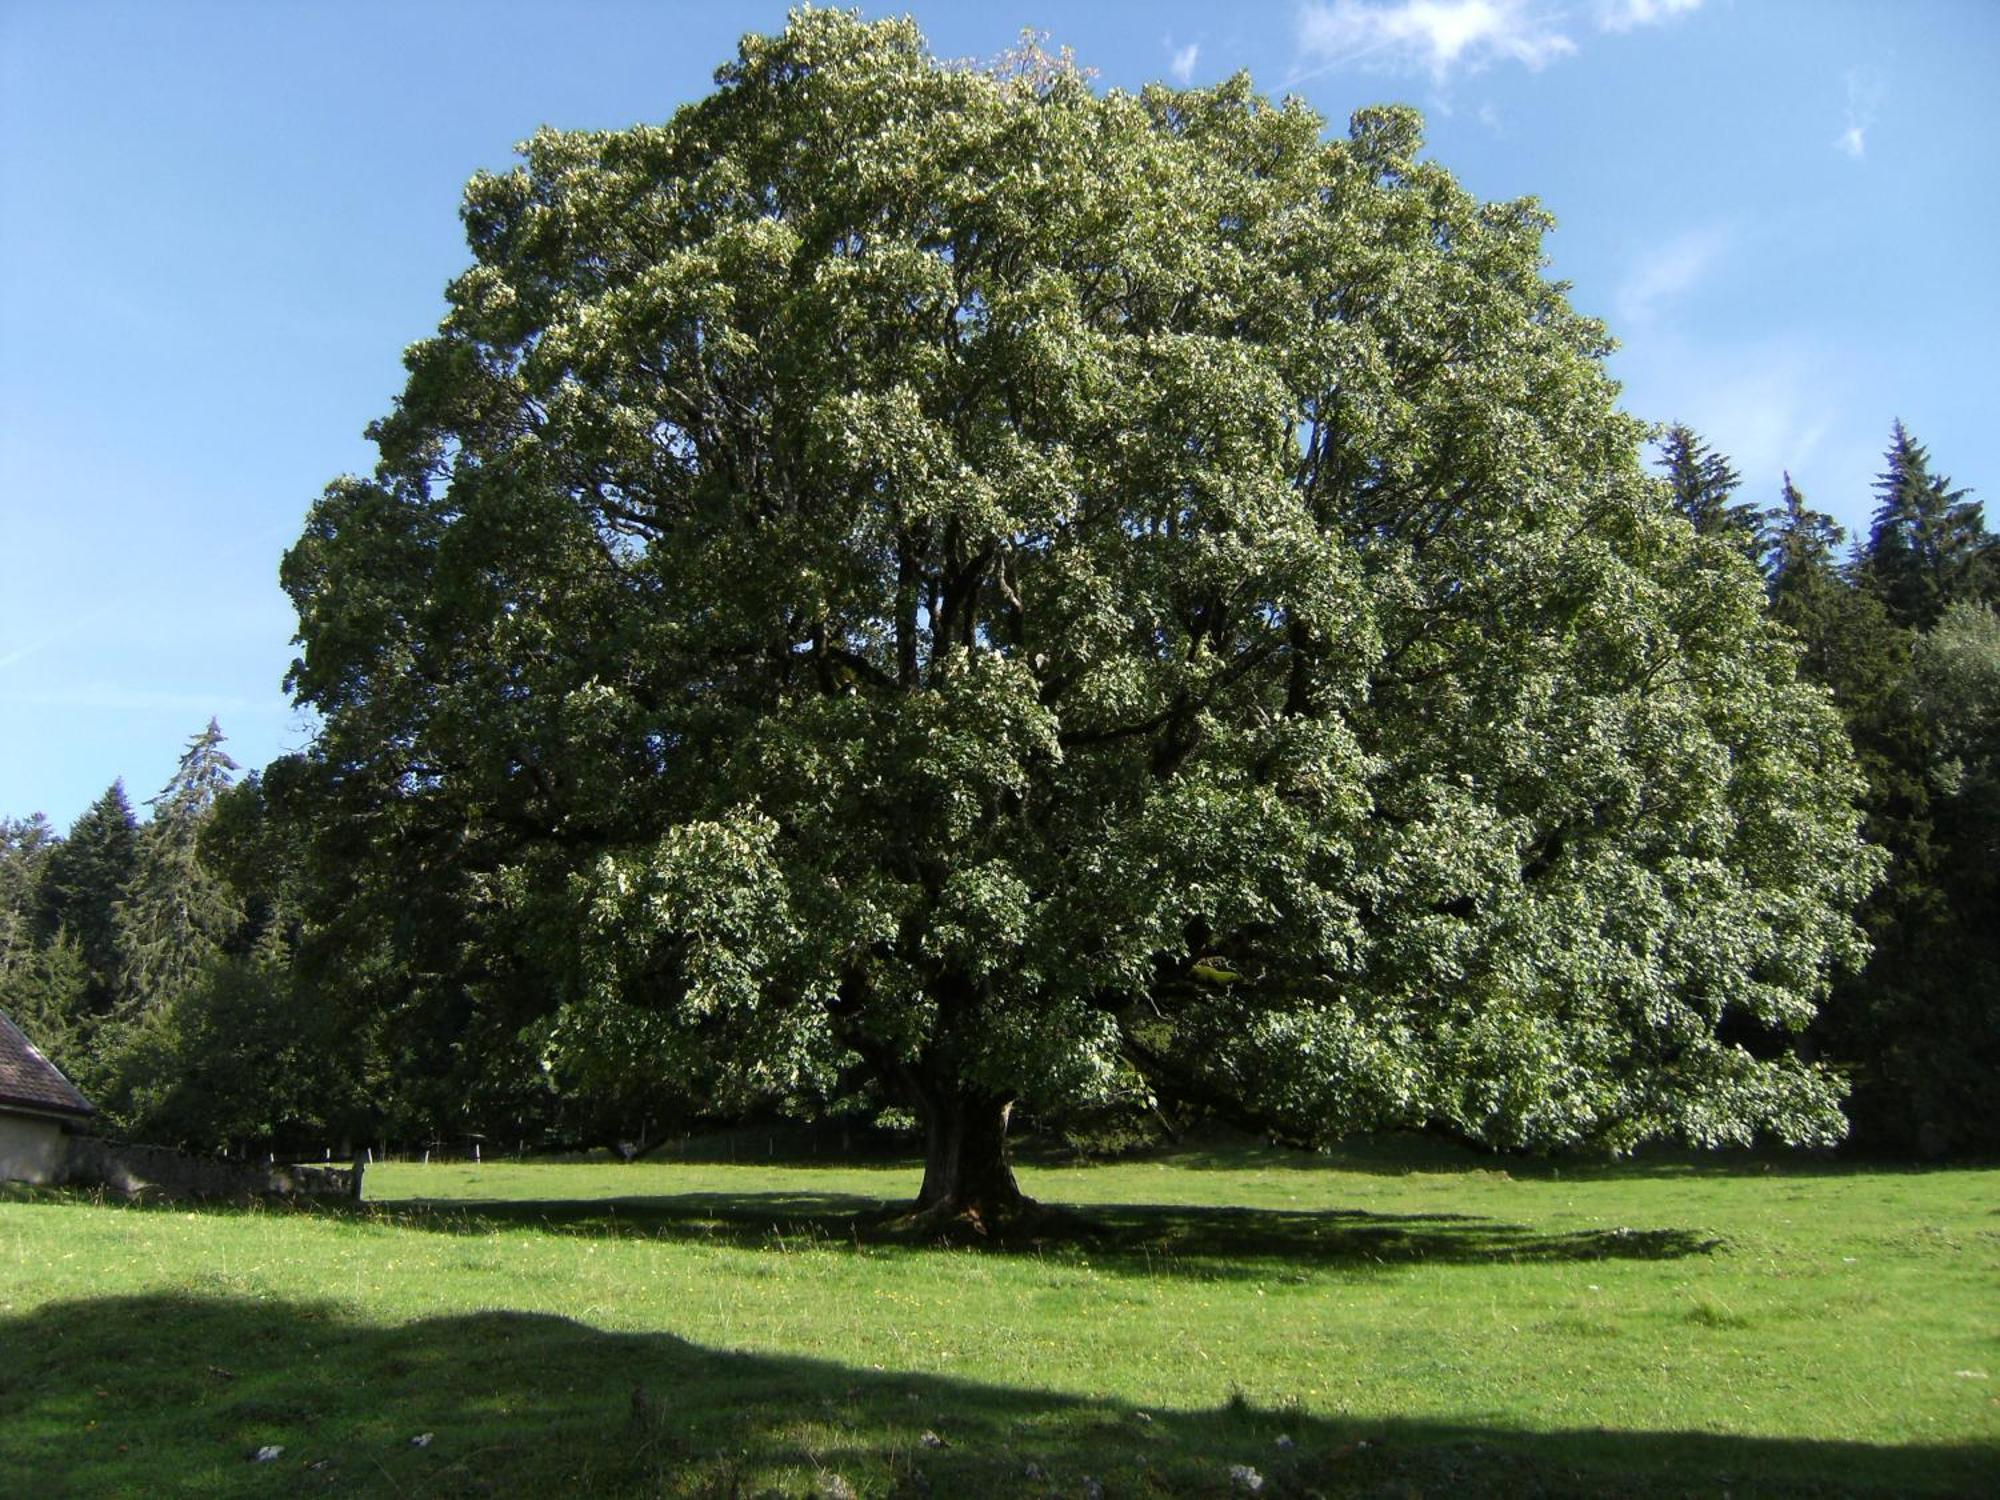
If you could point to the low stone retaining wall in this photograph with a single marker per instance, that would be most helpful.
(162, 1172)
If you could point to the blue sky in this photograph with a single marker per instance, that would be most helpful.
(221, 223)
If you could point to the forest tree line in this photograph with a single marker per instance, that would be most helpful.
(175, 966)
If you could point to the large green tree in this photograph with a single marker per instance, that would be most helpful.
(1041, 594)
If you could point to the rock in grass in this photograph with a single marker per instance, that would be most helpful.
(835, 1487)
(269, 1453)
(931, 1440)
(1246, 1479)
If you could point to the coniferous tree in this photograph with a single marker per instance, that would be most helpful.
(1704, 485)
(177, 914)
(25, 847)
(42, 989)
(1928, 544)
(1802, 545)
(87, 877)
(1865, 659)
(1848, 641)
(1811, 598)
(42, 978)
(1912, 664)
(1933, 1019)
(1956, 675)
(1849, 644)
(258, 852)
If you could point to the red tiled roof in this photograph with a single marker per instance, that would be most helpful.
(29, 1080)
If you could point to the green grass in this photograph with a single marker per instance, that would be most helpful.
(1408, 1320)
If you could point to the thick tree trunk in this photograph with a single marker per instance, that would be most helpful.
(966, 1174)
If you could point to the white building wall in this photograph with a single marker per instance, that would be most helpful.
(31, 1150)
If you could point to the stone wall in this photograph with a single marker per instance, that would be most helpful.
(161, 1172)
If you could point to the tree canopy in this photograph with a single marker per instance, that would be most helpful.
(1038, 594)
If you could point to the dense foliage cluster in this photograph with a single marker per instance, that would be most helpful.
(943, 587)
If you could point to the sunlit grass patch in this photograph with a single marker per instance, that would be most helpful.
(1400, 1320)
(1707, 1313)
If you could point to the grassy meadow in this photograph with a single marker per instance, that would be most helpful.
(1391, 1320)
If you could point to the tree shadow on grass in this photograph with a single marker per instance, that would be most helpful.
(176, 1395)
(1151, 1239)
(1403, 1155)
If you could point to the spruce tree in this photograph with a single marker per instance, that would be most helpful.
(1933, 1023)
(1802, 545)
(25, 847)
(1928, 544)
(1850, 645)
(87, 877)
(176, 913)
(1914, 1031)
(1703, 484)
(41, 988)
(42, 978)
(1808, 594)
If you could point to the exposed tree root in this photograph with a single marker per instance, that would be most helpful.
(1015, 1221)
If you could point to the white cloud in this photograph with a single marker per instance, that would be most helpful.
(1180, 67)
(1864, 98)
(1628, 15)
(1667, 272)
(1434, 36)
(1444, 36)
